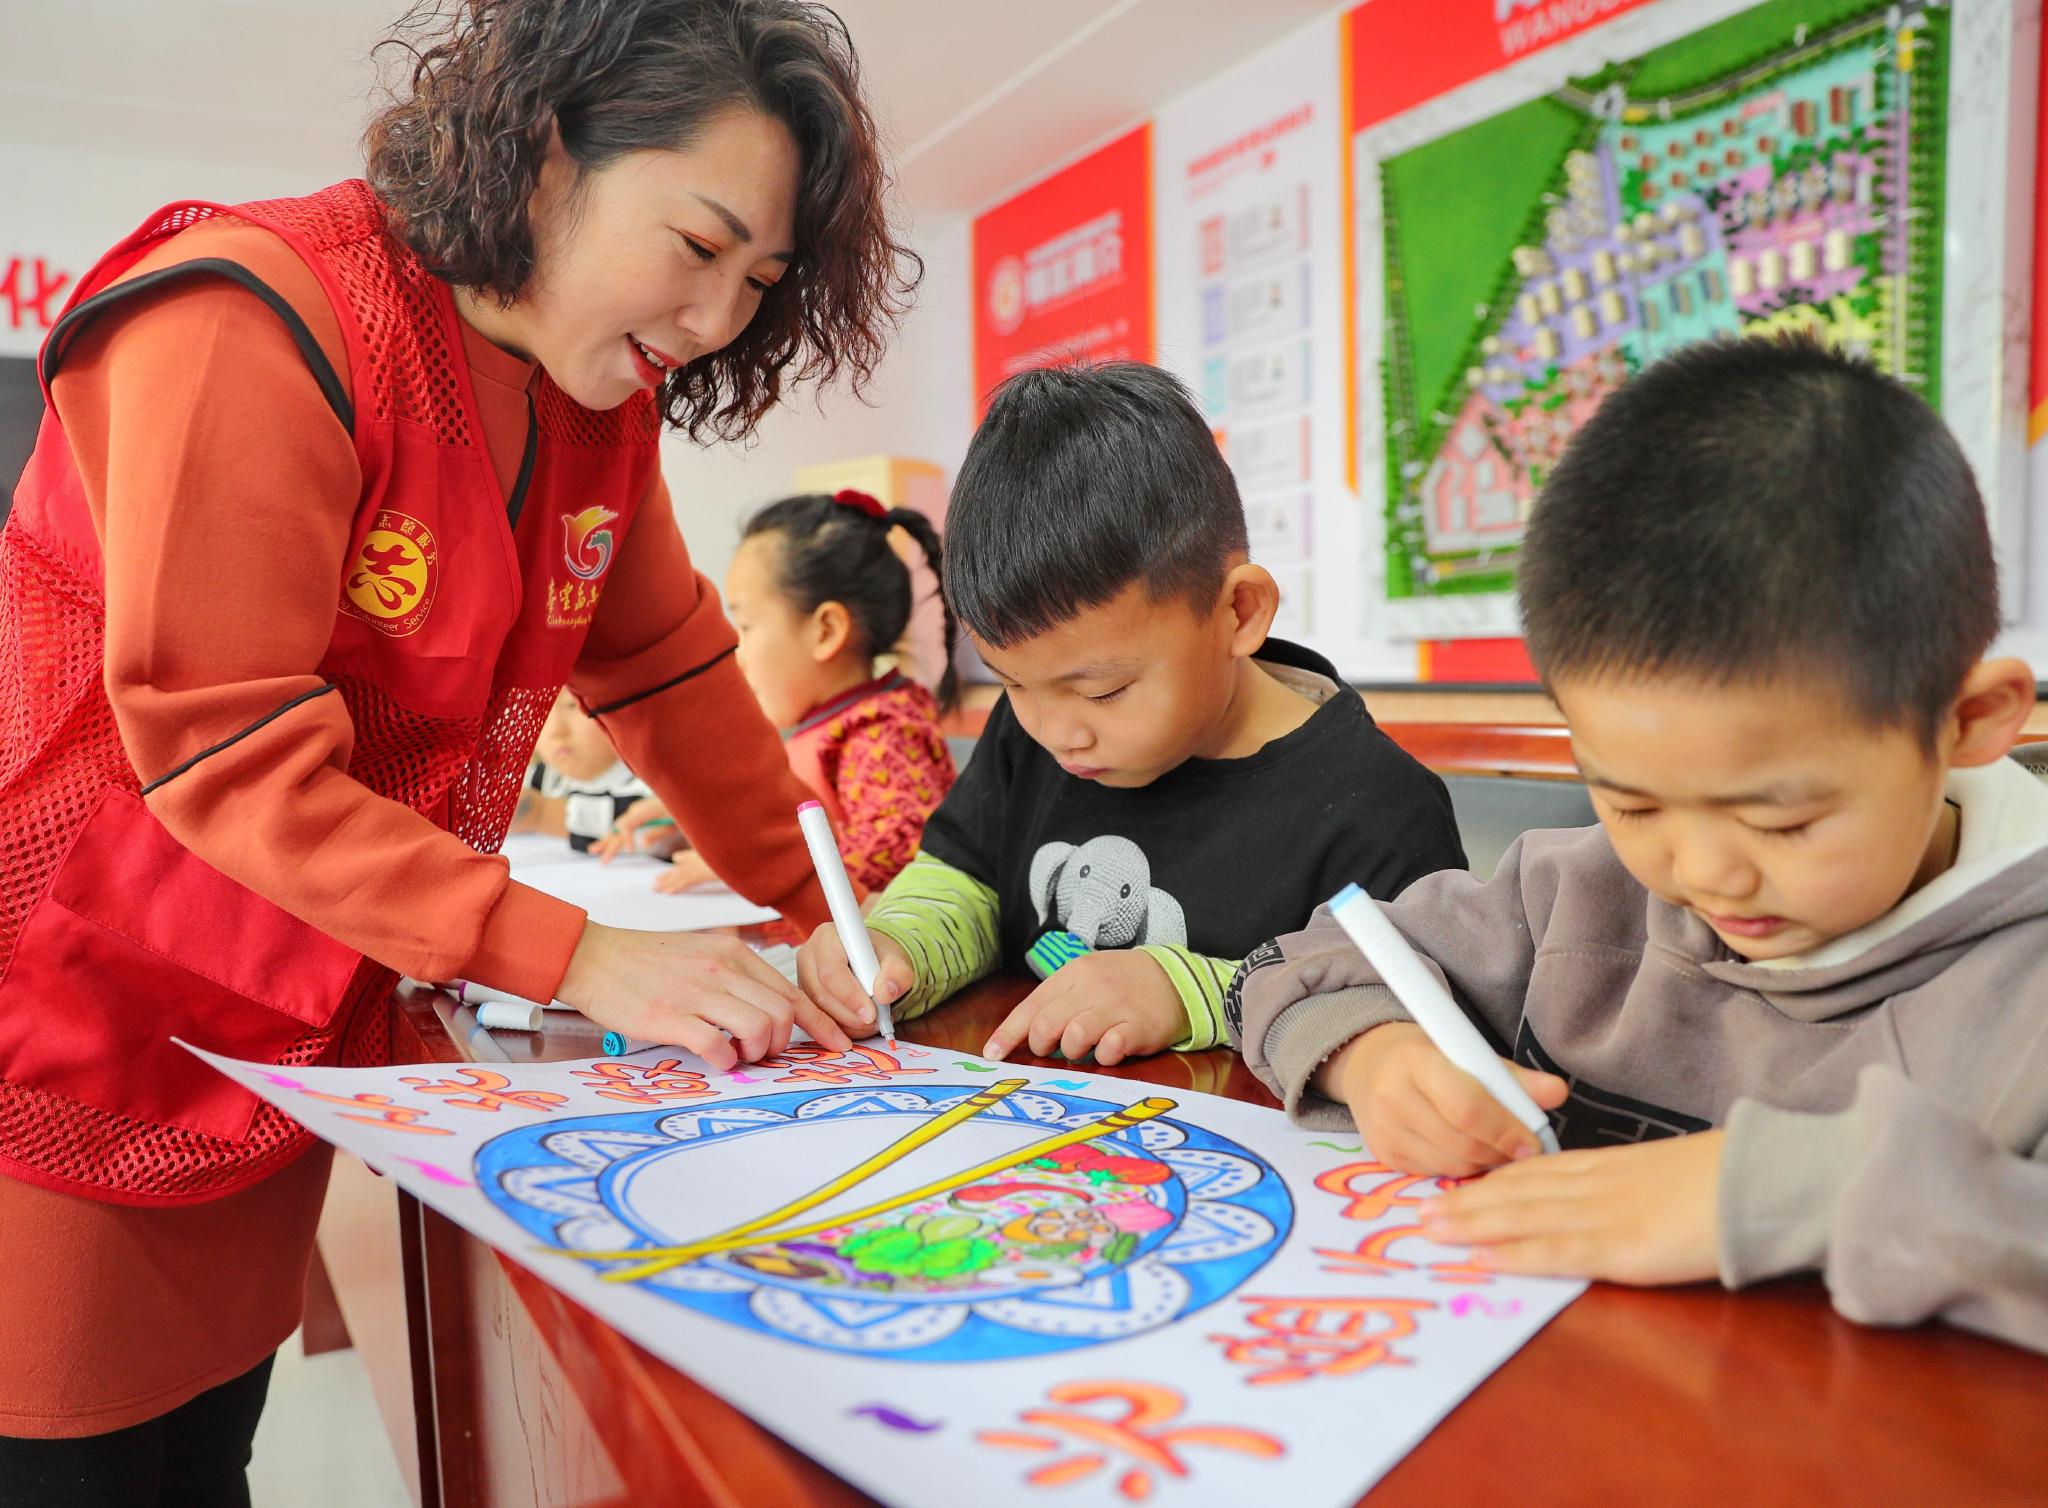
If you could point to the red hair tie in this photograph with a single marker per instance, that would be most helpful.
(860, 502)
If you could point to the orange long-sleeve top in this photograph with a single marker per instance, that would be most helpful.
(223, 489)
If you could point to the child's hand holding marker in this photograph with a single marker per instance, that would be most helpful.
(1117, 1004)
(1431, 1097)
(823, 972)
(1420, 1112)
(1641, 1214)
(691, 989)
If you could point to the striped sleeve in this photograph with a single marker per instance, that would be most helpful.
(946, 921)
(1201, 983)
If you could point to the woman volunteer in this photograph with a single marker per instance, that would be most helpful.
(334, 493)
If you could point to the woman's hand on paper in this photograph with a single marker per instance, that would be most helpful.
(709, 993)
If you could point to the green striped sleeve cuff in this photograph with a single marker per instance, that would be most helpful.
(1200, 982)
(946, 921)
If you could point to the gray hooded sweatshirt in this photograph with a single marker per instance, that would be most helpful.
(1885, 1096)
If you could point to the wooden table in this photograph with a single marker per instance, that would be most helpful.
(499, 1391)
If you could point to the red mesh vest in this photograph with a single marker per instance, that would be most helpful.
(448, 648)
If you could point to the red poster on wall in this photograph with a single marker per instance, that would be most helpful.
(1406, 51)
(1064, 270)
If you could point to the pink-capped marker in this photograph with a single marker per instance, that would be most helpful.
(846, 919)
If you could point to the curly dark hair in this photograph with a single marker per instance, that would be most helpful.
(456, 157)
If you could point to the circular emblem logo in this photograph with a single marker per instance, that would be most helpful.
(586, 542)
(390, 582)
(1006, 296)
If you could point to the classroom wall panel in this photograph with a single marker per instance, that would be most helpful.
(1250, 216)
(21, 411)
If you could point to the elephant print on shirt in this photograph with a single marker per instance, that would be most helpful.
(1102, 892)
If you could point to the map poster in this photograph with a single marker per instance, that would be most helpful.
(1794, 165)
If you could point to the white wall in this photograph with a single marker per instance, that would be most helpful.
(920, 406)
(67, 205)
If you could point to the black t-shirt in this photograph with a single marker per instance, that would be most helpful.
(1217, 855)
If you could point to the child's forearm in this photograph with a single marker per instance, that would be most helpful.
(1201, 983)
(946, 921)
(1907, 1206)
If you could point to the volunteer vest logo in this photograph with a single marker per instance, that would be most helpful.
(1096, 895)
(390, 583)
(587, 551)
(586, 543)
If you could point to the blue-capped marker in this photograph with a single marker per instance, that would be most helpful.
(1422, 994)
(619, 1045)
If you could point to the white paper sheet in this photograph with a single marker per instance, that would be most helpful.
(1206, 1306)
(621, 893)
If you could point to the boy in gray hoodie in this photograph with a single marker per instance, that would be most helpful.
(1787, 1005)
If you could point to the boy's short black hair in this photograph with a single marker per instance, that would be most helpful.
(1081, 480)
(1747, 508)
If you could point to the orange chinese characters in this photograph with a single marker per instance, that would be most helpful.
(644, 1083)
(388, 1114)
(1321, 1337)
(1388, 1191)
(811, 1064)
(483, 1089)
(1134, 1441)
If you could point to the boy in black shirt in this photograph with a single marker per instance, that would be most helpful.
(1163, 787)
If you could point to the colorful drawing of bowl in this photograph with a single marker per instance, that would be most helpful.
(1081, 1243)
(1052, 1222)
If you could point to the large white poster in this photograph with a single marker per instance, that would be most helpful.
(1247, 200)
(957, 1281)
